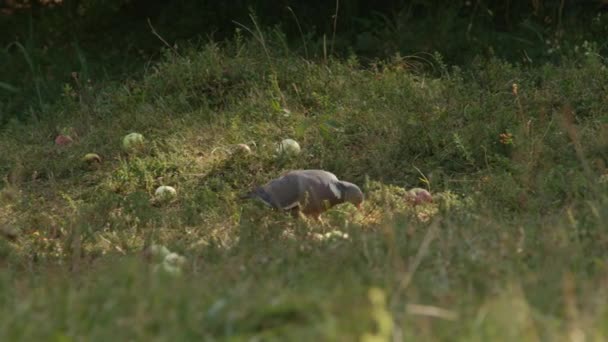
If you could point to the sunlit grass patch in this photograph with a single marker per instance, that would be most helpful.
(516, 176)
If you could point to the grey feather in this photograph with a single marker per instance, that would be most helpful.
(311, 191)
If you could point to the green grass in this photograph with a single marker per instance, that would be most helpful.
(514, 247)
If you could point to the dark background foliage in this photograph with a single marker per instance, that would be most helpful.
(45, 42)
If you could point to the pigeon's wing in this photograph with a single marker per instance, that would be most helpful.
(282, 193)
(321, 175)
(318, 190)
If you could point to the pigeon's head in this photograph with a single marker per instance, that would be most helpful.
(351, 193)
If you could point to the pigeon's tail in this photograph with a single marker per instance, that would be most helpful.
(261, 194)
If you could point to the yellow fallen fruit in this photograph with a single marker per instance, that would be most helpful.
(165, 193)
(289, 147)
(132, 141)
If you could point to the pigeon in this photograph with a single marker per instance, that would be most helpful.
(310, 192)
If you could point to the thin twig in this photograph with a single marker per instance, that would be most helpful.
(257, 27)
(333, 37)
(559, 16)
(424, 178)
(431, 311)
(300, 29)
(259, 37)
(161, 38)
(424, 246)
(325, 48)
(569, 125)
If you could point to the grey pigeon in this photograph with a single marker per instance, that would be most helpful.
(308, 191)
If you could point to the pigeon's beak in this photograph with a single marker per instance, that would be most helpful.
(358, 206)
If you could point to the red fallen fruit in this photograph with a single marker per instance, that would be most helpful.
(418, 196)
(63, 140)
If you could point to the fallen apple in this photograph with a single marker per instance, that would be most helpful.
(289, 147)
(165, 193)
(63, 140)
(92, 160)
(418, 196)
(132, 141)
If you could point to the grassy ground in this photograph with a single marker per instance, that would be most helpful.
(513, 248)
